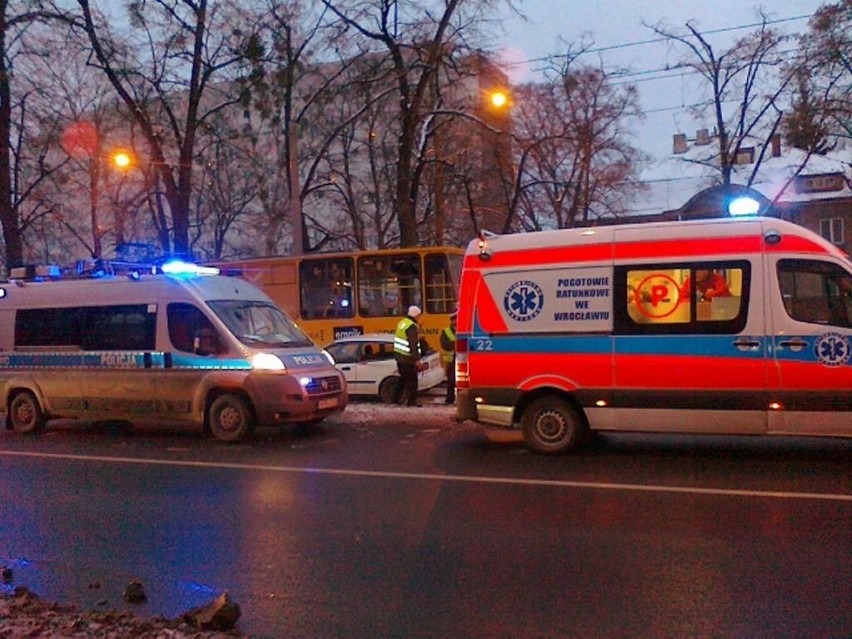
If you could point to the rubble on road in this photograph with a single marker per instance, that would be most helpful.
(23, 614)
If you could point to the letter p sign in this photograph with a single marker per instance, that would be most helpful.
(659, 292)
(657, 296)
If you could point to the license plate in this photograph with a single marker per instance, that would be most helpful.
(327, 403)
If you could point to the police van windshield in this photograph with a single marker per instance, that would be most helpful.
(259, 323)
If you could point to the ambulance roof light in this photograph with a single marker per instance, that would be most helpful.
(180, 268)
(743, 205)
(484, 250)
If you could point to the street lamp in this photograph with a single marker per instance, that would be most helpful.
(499, 99)
(121, 159)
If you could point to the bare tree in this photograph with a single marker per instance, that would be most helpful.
(576, 163)
(822, 112)
(296, 85)
(745, 83)
(419, 42)
(163, 69)
(15, 186)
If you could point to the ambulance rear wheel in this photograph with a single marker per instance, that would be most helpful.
(25, 413)
(551, 425)
(230, 418)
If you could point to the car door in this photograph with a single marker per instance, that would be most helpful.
(346, 356)
(810, 303)
(376, 363)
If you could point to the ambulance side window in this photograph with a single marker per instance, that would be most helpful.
(682, 298)
(816, 292)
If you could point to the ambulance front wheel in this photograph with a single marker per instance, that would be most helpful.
(25, 413)
(230, 418)
(551, 425)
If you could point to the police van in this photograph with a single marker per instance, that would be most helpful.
(723, 326)
(179, 345)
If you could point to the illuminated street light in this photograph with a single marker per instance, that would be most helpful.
(121, 159)
(499, 99)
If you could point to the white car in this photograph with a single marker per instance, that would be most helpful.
(369, 366)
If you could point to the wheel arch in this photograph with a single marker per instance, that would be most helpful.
(214, 392)
(14, 387)
(568, 396)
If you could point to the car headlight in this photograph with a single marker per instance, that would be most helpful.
(266, 362)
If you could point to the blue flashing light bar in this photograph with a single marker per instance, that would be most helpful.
(181, 268)
(741, 206)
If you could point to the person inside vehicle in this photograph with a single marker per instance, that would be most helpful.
(709, 284)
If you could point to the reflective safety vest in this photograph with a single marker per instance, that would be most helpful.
(400, 339)
(448, 355)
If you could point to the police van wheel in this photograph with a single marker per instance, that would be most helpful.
(230, 418)
(551, 426)
(25, 413)
(389, 390)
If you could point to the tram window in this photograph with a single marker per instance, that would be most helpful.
(440, 293)
(326, 288)
(388, 284)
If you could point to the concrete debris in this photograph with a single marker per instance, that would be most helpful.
(23, 614)
(135, 593)
(221, 614)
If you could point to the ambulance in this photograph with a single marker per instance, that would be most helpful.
(722, 326)
(177, 345)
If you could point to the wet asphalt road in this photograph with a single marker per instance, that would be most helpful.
(383, 523)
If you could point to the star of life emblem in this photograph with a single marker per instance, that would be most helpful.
(833, 349)
(523, 301)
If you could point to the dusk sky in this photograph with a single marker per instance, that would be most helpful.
(621, 41)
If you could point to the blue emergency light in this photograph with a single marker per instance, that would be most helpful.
(744, 205)
(180, 268)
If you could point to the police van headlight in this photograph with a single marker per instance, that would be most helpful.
(266, 362)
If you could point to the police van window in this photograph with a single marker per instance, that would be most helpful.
(49, 327)
(816, 292)
(326, 288)
(185, 321)
(130, 327)
(388, 284)
(704, 297)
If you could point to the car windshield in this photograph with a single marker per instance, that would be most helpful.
(259, 323)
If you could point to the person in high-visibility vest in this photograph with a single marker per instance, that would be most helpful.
(448, 356)
(406, 350)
